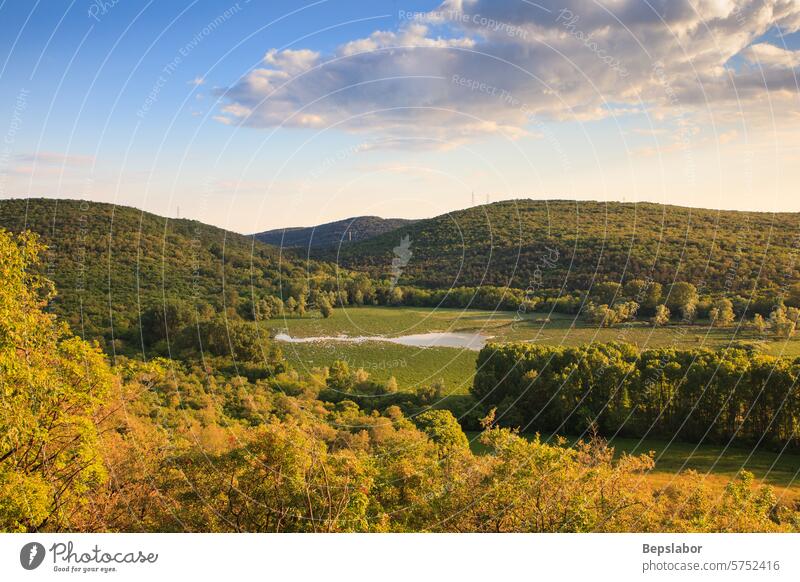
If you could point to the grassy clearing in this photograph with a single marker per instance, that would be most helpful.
(392, 321)
(411, 367)
(414, 366)
(715, 463)
(555, 329)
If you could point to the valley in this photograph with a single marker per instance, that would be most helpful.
(455, 365)
(224, 337)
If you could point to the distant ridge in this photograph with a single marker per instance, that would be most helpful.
(332, 234)
(573, 244)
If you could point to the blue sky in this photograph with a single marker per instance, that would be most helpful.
(256, 115)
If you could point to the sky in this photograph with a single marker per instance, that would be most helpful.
(258, 115)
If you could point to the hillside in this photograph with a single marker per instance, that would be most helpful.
(332, 234)
(514, 243)
(110, 263)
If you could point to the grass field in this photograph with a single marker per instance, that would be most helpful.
(411, 367)
(415, 366)
(715, 463)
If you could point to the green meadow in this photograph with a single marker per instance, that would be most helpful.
(412, 366)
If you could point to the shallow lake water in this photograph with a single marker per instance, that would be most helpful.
(464, 340)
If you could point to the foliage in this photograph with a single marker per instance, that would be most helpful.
(661, 316)
(695, 395)
(721, 314)
(131, 279)
(51, 386)
(325, 308)
(782, 324)
(227, 437)
(682, 298)
(606, 316)
(443, 429)
(569, 245)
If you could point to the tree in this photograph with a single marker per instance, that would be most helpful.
(52, 383)
(759, 325)
(291, 305)
(601, 315)
(443, 429)
(339, 376)
(239, 339)
(626, 311)
(606, 316)
(646, 293)
(793, 297)
(661, 316)
(782, 326)
(432, 393)
(607, 293)
(268, 308)
(301, 306)
(682, 299)
(325, 307)
(396, 296)
(721, 313)
(166, 320)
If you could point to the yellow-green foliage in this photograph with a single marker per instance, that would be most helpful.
(51, 384)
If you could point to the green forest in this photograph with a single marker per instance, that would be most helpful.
(572, 245)
(144, 388)
(129, 278)
(691, 395)
(166, 445)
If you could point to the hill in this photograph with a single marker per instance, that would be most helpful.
(110, 263)
(332, 234)
(570, 245)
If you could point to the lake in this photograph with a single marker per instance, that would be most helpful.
(463, 340)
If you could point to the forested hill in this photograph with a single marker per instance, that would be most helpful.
(114, 262)
(515, 243)
(332, 234)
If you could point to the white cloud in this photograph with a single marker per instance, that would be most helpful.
(767, 55)
(483, 67)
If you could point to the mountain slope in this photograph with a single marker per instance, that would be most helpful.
(332, 234)
(554, 244)
(110, 263)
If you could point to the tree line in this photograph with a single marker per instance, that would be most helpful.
(695, 395)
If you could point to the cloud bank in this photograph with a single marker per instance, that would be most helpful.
(473, 68)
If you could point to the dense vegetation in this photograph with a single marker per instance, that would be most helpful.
(572, 245)
(139, 282)
(185, 415)
(331, 234)
(196, 446)
(143, 283)
(693, 395)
